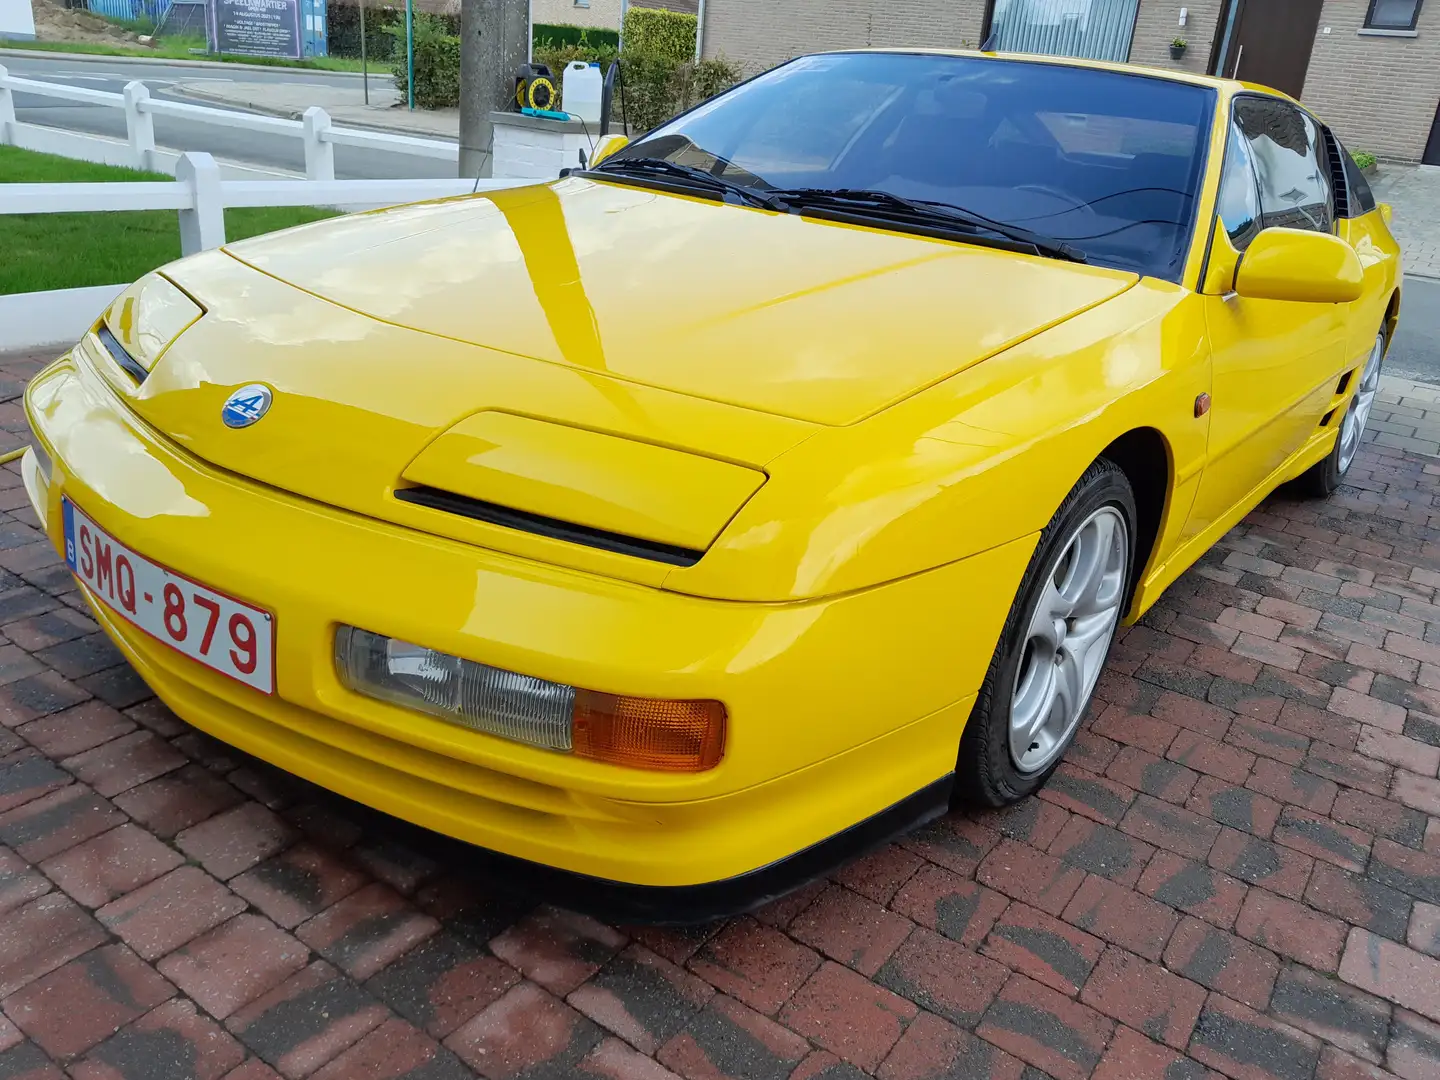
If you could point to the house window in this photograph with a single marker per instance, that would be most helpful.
(1092, 29)
(1392, 14)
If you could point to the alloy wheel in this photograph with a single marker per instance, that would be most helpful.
(1068, 639)
(1357, 415)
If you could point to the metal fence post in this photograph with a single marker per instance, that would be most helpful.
(202, 226)
(7, 109)
(139, 125)
(319, 153)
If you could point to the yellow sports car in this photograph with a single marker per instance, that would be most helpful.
(693, 521)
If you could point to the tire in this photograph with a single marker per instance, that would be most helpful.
(1322, 478)
(995, 767)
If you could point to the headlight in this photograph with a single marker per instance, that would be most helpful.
(649, 733)
(146, 318)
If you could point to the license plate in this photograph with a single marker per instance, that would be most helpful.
(216, 630)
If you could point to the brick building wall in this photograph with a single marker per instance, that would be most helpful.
(604, 13)
(1378, 92)
(1157, 23)
(762, 33)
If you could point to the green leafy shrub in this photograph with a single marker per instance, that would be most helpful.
(342, 30)
(659, 71)
(562, 34)
(1364, 159)
(657, 32)
(437, 62)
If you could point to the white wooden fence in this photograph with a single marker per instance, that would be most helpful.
(318, 135)
(201, 197)
(200, 192)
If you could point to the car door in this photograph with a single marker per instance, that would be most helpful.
(1274, 362)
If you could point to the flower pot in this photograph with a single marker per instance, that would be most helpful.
(1177, 51)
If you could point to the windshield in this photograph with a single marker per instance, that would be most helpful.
(1108, 161)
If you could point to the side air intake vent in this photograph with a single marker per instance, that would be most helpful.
(1337, 177)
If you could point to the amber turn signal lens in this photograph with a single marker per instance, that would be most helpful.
(678, 736)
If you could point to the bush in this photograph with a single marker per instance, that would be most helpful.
(1364, 159)
(659, 71)
(342, 22)
(437, 61)
(342, 30)
(657, 32)
(561, 34)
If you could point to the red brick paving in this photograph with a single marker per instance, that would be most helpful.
(1236, 873)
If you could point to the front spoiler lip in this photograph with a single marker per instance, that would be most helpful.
(666, 905)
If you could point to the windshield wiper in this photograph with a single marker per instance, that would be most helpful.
(651, 166)
(923, 211)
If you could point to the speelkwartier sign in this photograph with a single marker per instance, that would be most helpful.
(255, 27)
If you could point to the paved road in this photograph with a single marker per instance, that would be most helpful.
(101, 73)
(1415, 352)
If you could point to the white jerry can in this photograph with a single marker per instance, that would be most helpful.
(582, 90)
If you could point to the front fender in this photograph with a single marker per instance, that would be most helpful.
(976, 461)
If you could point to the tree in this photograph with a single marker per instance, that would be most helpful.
(494, 43)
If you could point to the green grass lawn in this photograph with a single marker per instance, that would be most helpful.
(183, 48)
(66, 251)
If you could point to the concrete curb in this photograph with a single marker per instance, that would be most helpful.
(36, 319)
(202, 94)
(162, 61)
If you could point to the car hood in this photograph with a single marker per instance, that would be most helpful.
(810, 320)
(587, 374)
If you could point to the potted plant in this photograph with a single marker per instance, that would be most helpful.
(1177, 48)
(1365, 162)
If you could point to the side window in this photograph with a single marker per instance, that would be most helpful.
(1289, 159)
(1239, 197)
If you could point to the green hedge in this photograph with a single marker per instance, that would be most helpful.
(561, 34)
(342, 23)
(437, 61)
(665, 34)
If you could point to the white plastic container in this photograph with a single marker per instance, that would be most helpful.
(581, 91)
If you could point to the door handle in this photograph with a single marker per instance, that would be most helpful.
(1235, 71)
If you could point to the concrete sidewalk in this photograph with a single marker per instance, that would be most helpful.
(345, 102)
(1406, 416)
(1414, 193)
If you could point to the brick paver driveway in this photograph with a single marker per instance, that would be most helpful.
(1237, 870)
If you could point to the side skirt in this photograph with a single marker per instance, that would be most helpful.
(1161, 578)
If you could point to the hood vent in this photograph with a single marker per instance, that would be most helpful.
(586, 487)
(539, 525)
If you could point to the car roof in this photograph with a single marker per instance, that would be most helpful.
(1227, 87)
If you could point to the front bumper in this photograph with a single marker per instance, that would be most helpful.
(840, 709)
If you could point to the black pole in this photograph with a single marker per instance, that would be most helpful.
(364, 60)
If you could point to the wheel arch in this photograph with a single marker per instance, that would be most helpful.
(1144, 455)
(1392, 316)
